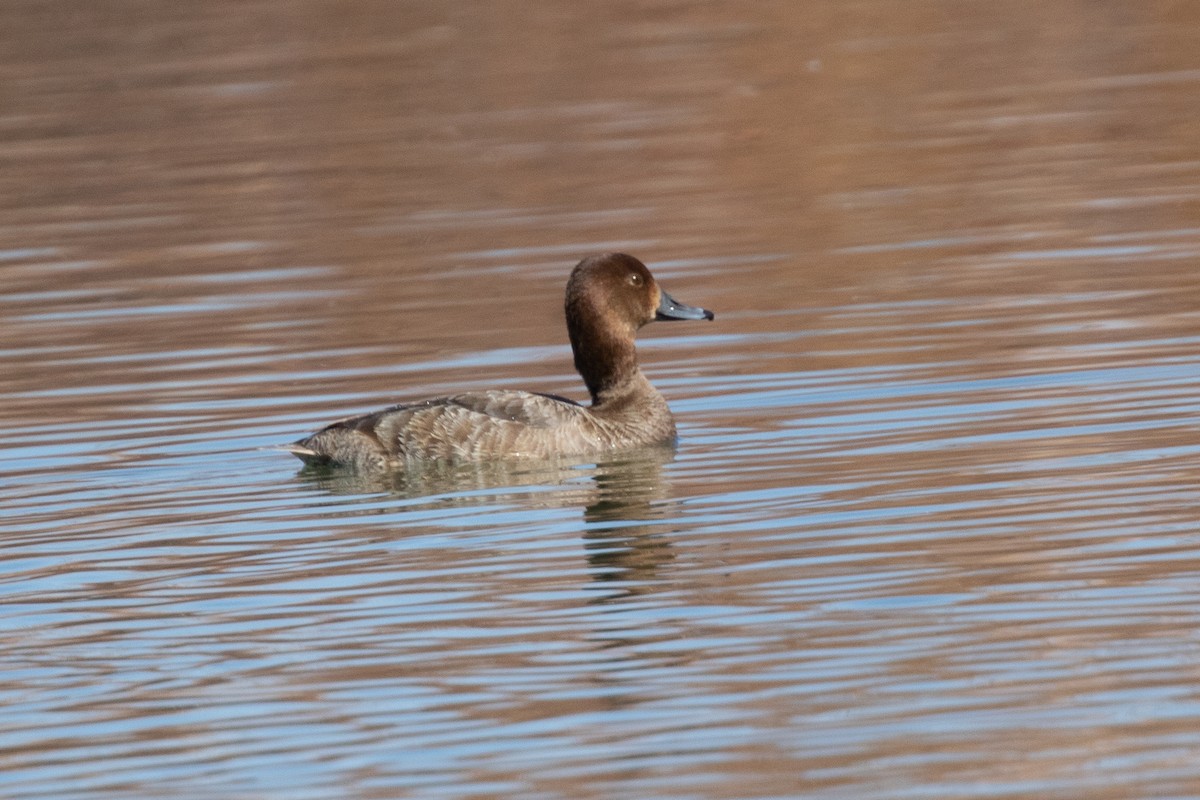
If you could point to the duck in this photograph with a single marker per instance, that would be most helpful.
(609, 298)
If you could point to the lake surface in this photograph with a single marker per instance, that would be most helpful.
(931, 529)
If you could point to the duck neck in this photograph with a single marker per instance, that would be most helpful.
(607, 364)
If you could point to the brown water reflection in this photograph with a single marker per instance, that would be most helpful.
(930, 530)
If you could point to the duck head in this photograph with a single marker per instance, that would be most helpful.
(609, 297)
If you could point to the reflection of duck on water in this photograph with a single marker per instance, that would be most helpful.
(623, 498)
(621, 487)
(629, 491)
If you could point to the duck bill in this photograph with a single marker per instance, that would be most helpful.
(670, 308)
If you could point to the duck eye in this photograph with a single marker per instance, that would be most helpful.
(635, 279)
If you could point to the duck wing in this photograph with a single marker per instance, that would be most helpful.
(528, 408)
(476, 425)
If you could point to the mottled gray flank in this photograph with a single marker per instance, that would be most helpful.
(608, 299)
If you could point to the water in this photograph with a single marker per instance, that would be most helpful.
(930, 531)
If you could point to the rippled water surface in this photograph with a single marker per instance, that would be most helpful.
(931, 530)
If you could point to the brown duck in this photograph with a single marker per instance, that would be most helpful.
(609, 297)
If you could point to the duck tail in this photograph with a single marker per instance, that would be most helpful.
(300, 451)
